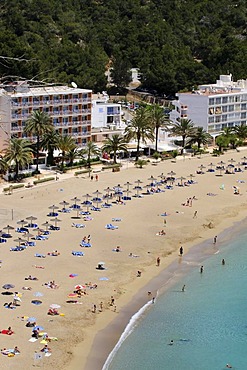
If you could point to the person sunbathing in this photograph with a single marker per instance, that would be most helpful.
(8, 331)
(53, 253)
(162, 232)
(46, 349)
(30, 277)
(52, 312)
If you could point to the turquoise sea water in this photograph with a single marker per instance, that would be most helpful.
(207, 322)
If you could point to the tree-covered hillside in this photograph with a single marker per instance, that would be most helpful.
(175, 43)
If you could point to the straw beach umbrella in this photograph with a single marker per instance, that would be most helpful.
(211, 165)
(19, 241)
(75, 200)
(64, 204)
(138, 188)
(8, 227)
(221, 167)
(108, 190)
(46, 224)
(56, 220)
(97, 199)
(21, 222)
(28, 236)
(87, 203)
(201, 168)
(181, 178)
(53, 213)
(191, 176)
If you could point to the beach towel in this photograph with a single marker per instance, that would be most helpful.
(111, 227)
(77, 253)
(39, 255)
(84, 244)
(115, 219)
(73, 275)
(41, 237)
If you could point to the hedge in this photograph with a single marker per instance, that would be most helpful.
(43, 180)
(116, 165)
(13, 187)
(80, 172)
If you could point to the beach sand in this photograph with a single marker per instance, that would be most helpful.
(78, 345)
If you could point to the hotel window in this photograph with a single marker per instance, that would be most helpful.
(14, 101)
(217, 127)
(243, 106)
(211, 101)
(230, 108)
(55, 121)
(218, 110)
(218, 119)
(231, 99)
(35, 100)
(230, 124)
(237, 107)
(211, 111)
(46, 99)
(225, 99)
(24, 101)
(243, 115)
(244, 97)
(224, 108)
(237, 98)
(46, 109)
(218, 101)
(65, 120)
(211, 120)
(224, 117)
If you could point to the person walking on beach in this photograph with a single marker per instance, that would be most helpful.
(201, 269)
(158, 262)
(94, 308)
(183, 288)
(215, 239)
(181, 251)
(223, 262)
(96, 177)
(195, 214)
(153, 300)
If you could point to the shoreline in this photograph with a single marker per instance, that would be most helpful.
(106, 340)
(137, 233)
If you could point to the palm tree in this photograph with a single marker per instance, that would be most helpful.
(158, 120)
(38, 124)
(199, 136)
(18, 151)
(241, 131)
(183, 128)
(65, 144)
(50, 143)
(71, 155)
(89, 150)
(139, 128)
(3, 164)
(113, 145)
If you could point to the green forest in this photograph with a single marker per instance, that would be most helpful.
(177, 44)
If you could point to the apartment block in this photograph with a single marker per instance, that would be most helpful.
(70, 109)
(214, 106)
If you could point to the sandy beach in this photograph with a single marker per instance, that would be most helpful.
(84, 337)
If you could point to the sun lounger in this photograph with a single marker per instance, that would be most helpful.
(106, 205)
(22, 230)
(32, 226)
(65, 210)
(97, 209)
(52, 214)
(78, 226)
(111, 227)
(39, 255)
(41, 237)
(2, 240)
(115, 219)
(84, 244)
(55, 228)
(17, 249)
(77, 253)
(31, 244)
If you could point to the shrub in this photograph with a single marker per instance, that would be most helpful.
(43, 180)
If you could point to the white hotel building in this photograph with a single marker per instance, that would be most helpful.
(214, 106)
(69, 108)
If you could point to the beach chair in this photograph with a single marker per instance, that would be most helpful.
(54, 228)
(96, 209)
(31, 244)
(22, 230)
(116, 219)
(77, 253)
(17, 249)
(41, 237)
(78, 226)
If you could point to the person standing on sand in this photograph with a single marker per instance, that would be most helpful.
(158, 262)
(195, 214)
(96, 177)
(215, 239)
(183, 288)
(181, 251)
(223, 262)
(201, 269)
